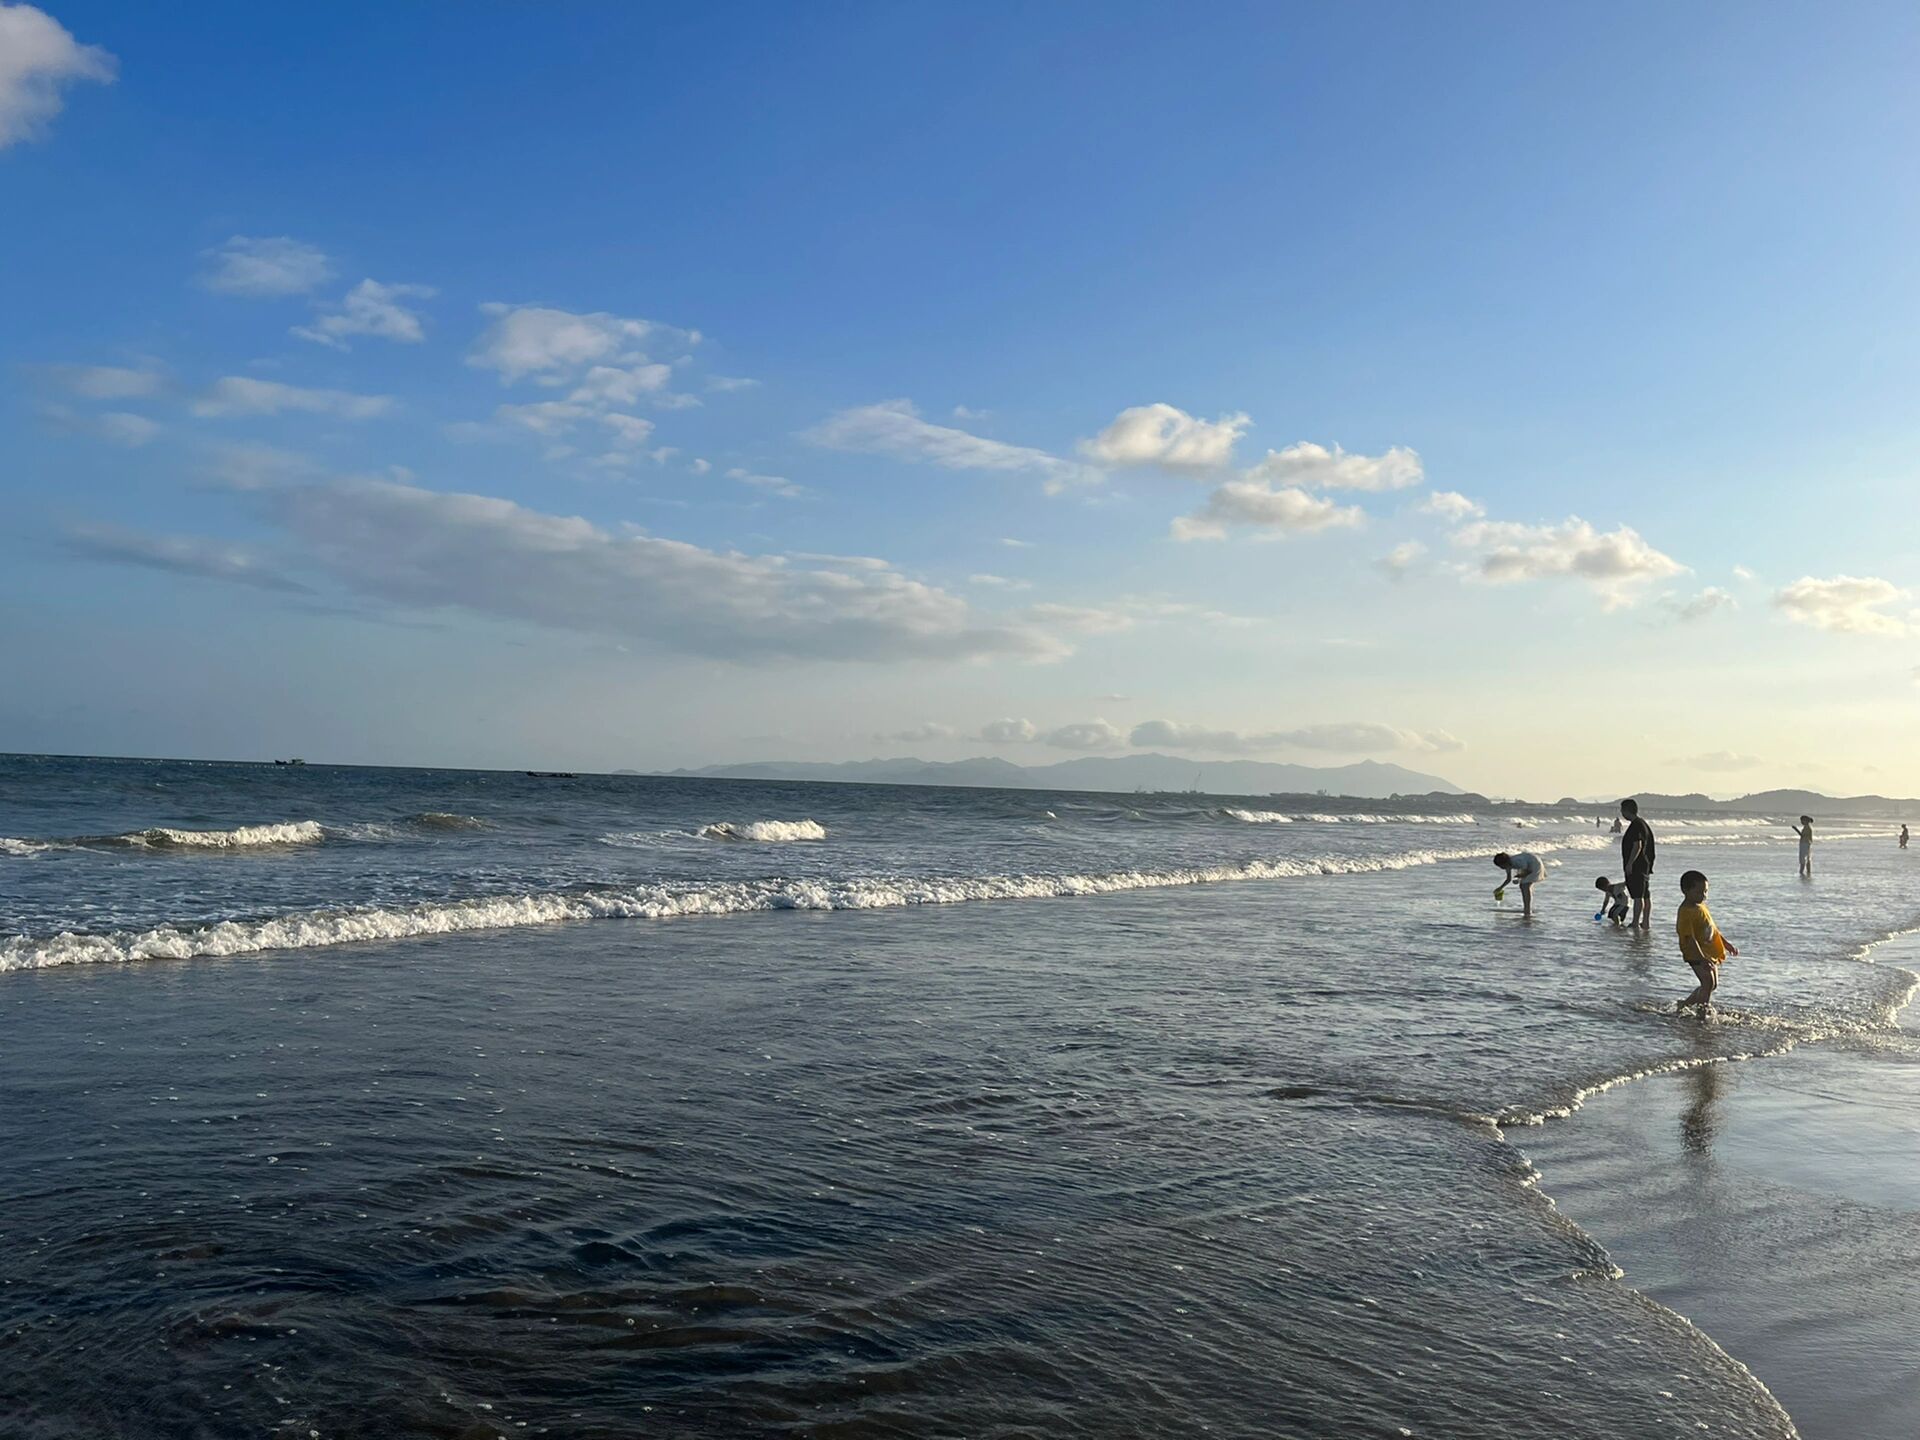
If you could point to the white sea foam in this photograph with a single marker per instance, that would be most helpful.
(241, 837)
(767, 831)
(650, 902)
(1257, 817)
(11, 846)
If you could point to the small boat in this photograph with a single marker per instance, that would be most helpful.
(552, 775)
(295, 761)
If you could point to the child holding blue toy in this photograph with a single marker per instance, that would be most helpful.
(1618, 902)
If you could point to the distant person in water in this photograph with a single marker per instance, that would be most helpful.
(1616, 824)
(1805, 831)
(1702, 945)
(1618, 902)
(1903, 837)
(1526, 869)
(1636, 855)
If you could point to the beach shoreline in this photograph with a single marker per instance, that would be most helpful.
(1770, 1201)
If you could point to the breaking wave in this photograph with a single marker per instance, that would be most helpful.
(767, 831)
(312, 928)
(241, 837)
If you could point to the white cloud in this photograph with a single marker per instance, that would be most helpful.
(999, 582)
(124, 428)
(1255, 505)
(180, 555)
(628, 430)
(926, 730)
(106, 382)
(1166, 436)
(1009, 732)
(266, 267)
(1452, 506)
(1613, 563)
(1087, 619)
(1402, 558)
(726, 384)
(406, 545)
(1722, 762)
(621, 385)
(370, 308)
(1085, 735)
(242, 395)
(772, 484)
(256, 467)
(1010, 543)
(1741, 572)
(1707, 602)
(894, 428)
(1353, 736)
(1318, 468)
(524, 340)
(1846, 604)
(543, 417)
(38, 57)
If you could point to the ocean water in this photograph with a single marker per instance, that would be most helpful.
(377, 1102)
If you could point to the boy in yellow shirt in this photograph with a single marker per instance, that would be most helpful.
(1702, 945)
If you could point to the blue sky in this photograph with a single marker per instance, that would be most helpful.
(1523, 394)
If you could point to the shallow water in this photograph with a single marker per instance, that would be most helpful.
(1200, 1144)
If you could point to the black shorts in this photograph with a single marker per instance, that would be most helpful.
(1637, 883)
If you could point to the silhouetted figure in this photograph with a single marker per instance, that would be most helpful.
(1636, 854)
(1805, 831)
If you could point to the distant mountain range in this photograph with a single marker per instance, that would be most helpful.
(1787, 802)
(1369, 779)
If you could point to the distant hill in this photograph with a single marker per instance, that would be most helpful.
(1787, 802)
(1369, 779)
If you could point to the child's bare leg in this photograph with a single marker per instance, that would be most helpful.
(1703, 992)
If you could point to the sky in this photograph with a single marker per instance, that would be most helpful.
(1521, 394)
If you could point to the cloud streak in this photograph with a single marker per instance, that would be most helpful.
(895, 428)
(258, 267)
(238, 395)
(398, 543)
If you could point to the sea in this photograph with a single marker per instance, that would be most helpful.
(354, 1102)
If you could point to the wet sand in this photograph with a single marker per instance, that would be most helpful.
(1776, 1204)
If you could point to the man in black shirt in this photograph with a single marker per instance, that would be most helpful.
(1636, 855)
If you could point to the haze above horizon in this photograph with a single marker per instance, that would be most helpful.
(1524, 401)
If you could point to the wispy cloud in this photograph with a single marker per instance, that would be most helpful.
(1272, 514)
(242, 395)
(1355, 737)
(1452, 506)
(536, 340)
(1315, 467)
(399, 543)
(1613, 563)
(895, 428)
(778, 485)
(1846, 605)
(180, 555)
(1401, 559)
(370, 308)
(266, 267)
(1707, 602)
(39, 59)
(105, 382)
